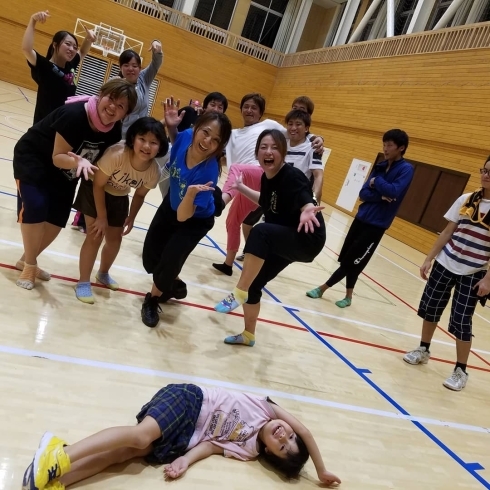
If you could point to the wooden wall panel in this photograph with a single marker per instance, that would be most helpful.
(441, 100)
(192, 67)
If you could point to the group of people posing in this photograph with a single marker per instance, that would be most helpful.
(109, 146)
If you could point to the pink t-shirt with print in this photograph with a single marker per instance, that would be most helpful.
(232, 421)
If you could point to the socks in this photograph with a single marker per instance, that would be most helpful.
(460, 365)
(426, 345)
(245, 338)
(83, 291)
(40, 274)
(27, 277)
(240, 296)
(106, 280)
(232, 301)
(224, 268)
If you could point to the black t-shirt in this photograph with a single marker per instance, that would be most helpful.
(33, 153)
(189, 118)
(283, 196)
(55, 84)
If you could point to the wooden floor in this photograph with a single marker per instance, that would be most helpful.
(381, 424)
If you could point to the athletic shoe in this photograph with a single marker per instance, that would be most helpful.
(179, 291)
(228, 304)
(241, 258)
(50, 462)
(55, 485)
(239, 340)
(150, 310)
(457, 381)
(420, 355)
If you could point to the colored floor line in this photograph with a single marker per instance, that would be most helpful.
(414, 309)
(471, 468)
(262, 320)
(234, 386)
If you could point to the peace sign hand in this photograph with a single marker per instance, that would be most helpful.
(90, 34)
(41, 17)
(171, 111)
(83, 165)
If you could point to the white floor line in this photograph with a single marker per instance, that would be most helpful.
(269, 302)
(237, 387)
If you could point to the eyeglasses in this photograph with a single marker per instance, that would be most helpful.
(485, 171)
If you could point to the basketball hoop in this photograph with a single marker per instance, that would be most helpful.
(107, 44)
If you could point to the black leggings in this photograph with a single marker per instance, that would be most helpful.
(358, 248)
(280, 246)
(169, 242)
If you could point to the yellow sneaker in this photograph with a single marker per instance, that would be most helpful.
(50, 462)
(54, 485)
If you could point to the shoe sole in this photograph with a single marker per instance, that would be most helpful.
(416, 363)
(28, 479)
(112, 287)
(451, 388)
(47, 436)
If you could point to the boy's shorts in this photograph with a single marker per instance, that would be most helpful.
(436, 296)
(45, 203)
(117, 207)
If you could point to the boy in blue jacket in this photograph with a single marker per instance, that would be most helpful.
(381, 196)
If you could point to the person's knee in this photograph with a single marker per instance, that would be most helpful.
(143, 436)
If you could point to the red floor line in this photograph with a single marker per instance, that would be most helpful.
(413, 309)
(263, 320)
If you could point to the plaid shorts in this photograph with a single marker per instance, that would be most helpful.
(175, 408)
(436, 297)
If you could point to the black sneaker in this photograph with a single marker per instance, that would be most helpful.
(150, 310)
(179, 291)
(224, 269)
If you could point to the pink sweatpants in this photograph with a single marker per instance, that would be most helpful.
(241, 206)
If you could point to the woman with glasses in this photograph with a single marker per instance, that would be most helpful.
(462, 254)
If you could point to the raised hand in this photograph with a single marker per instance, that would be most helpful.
(83, 165)
(308, 219)
(171, 111)
(89, 34)
(328, 478)
(176, 468)
(238, 182)
(156, 46)
(41, 17)
(196, 188)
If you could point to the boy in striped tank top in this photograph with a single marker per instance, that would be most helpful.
(462, 254)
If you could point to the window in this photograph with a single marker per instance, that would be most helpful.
(432, 192)
(263, 21)
(216, 12)
(485, 14)
(403, 16)
(438, 11)
(366, 32)
(332, 32)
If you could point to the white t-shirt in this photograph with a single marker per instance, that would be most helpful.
(232, 421)
(468, 250)
(304, 158)
(241, 146)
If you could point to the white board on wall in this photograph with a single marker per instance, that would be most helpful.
(354, 180)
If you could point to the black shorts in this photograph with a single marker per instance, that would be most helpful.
(117, 207)
(253, 217)
(50, 203)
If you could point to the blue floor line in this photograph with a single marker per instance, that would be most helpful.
(471, 468)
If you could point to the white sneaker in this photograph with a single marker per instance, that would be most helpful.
(420, 355)
(457, 381)
(241, 257)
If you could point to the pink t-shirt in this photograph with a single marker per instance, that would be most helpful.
(232, 421)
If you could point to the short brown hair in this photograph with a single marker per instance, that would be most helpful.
(303, 99)
(119, 88)
(279, 140)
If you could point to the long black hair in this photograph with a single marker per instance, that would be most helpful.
(58, 38)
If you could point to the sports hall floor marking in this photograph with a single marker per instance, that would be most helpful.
(470, 467)
(262, 320)
(276, 303)
(237, 387)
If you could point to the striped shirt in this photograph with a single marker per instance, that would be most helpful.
(304, 158)
(468, 249)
